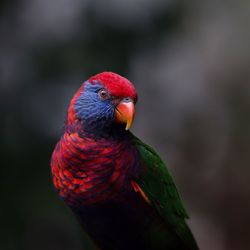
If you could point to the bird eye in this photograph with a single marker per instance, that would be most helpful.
(127, 99)
(103, 94)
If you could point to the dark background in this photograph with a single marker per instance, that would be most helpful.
(189, 61)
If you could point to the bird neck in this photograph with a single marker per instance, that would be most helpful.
(91, 130)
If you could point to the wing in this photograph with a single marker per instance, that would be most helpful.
(157, 184)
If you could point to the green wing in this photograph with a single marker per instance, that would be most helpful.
(158, 185)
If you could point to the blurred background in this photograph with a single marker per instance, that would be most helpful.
(189, 61)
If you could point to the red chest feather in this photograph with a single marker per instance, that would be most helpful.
(86, 171)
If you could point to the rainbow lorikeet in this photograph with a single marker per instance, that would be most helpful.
(117, 186)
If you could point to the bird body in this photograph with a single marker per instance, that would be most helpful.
(118, 187)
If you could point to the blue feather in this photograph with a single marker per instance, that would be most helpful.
(95, 114)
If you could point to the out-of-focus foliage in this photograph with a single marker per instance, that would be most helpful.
(190, 63)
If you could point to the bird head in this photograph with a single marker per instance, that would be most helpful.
(104, 102)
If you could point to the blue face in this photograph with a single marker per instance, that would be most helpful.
(94, 108)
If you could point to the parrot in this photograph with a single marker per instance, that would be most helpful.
(118, 188)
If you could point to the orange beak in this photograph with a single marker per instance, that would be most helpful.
(124, 113)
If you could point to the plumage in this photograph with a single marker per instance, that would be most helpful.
(118, 187)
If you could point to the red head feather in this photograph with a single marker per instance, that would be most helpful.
(117, 85)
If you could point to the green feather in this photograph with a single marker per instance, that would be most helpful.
(158, 185)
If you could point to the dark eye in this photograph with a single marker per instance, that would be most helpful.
(127, 99)
(103, 94)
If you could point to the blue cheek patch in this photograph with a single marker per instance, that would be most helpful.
(94, 112)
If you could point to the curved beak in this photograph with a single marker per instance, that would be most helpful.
(124, 113)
